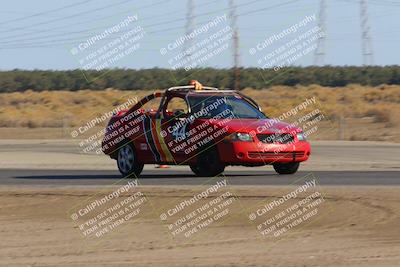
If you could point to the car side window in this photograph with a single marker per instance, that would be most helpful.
(176, 107)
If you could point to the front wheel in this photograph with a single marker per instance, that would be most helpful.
(286, 168)
(127, 162)
(208, 163)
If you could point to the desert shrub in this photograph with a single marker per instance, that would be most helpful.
(379, 114)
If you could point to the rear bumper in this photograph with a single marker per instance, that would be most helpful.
(257, 153)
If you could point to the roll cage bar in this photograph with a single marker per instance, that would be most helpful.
(187, 89)
(191, 88)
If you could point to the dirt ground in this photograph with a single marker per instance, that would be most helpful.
(355, 226)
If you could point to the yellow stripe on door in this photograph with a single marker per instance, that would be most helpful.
(164, 146)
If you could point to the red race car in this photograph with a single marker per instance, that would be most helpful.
(205, 128)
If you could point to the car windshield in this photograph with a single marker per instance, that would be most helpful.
(227, 106)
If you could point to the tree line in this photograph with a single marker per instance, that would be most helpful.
(157, 78)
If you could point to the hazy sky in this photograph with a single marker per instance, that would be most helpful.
(40, 34)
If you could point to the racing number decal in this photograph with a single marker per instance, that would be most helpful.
(156, 140)
(179, 133)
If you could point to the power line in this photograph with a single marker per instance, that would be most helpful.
(45, 12)
(67, 17)
(367, 51)
(320, 51)
(115, 4)
(58, 33)
(165, 22)
(236, 52)
(189, 27)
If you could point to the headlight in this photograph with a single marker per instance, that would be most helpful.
(301, 137)
(244, 137)
(241, 137)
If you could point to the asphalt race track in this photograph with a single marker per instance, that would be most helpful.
(58, 163)
(249, 176)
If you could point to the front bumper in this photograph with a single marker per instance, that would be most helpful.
(258, 153)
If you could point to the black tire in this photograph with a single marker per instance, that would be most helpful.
(208, 163)
(286, 168)
(127, 162)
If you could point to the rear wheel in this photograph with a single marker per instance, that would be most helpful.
(208, 163)
(127, 162)
(286, 168)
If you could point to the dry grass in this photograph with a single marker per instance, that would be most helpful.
(352, 101)
(53, 109)
(365, 108)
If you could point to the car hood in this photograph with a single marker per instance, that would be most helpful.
(268, 126)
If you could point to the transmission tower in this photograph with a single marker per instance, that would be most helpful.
(320, 51)
(189, 27)
(367, 51)
(236, 55)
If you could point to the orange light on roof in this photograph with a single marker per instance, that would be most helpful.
(196, 84)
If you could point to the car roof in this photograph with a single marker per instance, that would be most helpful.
(190, 90)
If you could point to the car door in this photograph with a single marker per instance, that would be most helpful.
(174, 126)
(145, 142)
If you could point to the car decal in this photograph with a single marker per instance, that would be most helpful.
(157, 144)
(149, 138)
(169, 157)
